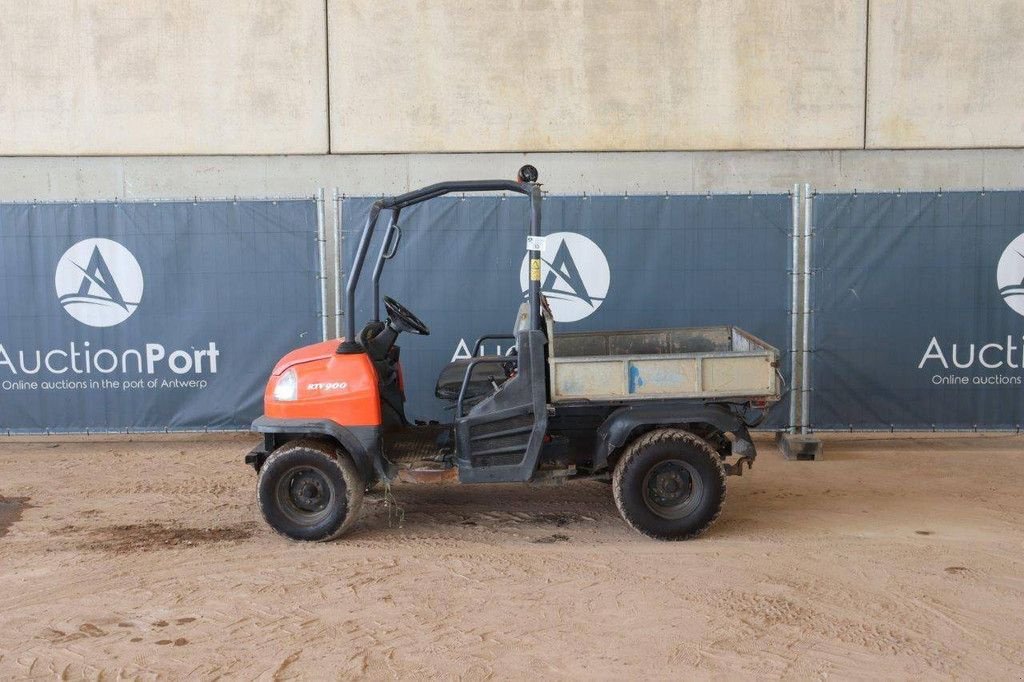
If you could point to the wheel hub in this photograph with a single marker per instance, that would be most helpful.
(672, 489)
(670, 485)
(308, 490)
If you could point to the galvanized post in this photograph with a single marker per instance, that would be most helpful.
(321, 248)
(796, 443)
(794, 306)
(338, 244)
(805, 401)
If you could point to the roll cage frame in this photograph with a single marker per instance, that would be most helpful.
(388, 248)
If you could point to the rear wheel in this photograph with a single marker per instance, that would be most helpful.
(669, 484)
(310, 490)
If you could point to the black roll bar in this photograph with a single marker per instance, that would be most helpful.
(396, 204)
(534, 255)
(489, 337)
(441, 188)
(378, 267)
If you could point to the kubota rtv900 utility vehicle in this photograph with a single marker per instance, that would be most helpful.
(661, 413)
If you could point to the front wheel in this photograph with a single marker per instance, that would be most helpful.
(310, 490)
(669, 484)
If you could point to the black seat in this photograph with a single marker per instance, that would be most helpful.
(449, 383)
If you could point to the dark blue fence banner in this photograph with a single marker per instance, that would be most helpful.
(150, 316)
(610, 262)
(918, 309)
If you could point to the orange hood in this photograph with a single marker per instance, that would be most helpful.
(316, 351)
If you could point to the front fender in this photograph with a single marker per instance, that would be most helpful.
(362, 443)
(615, 431)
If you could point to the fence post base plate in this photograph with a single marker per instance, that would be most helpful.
(799, 446)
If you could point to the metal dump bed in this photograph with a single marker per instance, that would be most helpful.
(694, 362)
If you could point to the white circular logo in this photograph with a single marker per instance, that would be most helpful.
(99, 282)
(1010, 275)
(574, 276)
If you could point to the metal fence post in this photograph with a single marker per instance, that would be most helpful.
(338, 259)
(794, 357)
(805, 365)
(796, 443)
(321, 248)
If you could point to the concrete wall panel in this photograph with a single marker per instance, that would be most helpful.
(162, 177)
(946, 74)
(558, 75)
(167, 77)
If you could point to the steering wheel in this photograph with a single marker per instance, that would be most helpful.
(402, 319)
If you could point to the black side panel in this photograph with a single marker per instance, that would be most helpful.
(501, 438)
(620, 424)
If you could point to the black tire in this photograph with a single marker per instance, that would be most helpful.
(669, 484)
(310, 490)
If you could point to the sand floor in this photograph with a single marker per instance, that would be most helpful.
(133, 558)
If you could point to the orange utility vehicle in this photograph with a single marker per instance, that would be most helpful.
(661, 414)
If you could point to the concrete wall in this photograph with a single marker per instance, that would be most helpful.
(161, 177)
(167, 77)
(569, 75)
(186, 77)
(946, 74)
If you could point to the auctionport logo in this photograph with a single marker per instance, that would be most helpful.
(994, 355)
(99, 282)
(574, 276)
(1010, 275)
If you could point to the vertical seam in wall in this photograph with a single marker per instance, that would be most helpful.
(327, 68)
(867, 46)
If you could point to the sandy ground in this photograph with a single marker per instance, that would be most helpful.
(892, 557)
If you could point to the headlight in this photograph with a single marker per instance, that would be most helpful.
(287, 386)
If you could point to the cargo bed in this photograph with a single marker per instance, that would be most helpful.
(694, 362)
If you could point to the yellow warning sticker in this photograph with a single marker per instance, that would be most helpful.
(535, 269)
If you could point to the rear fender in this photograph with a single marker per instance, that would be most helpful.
(618, 428)
(362, 443)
